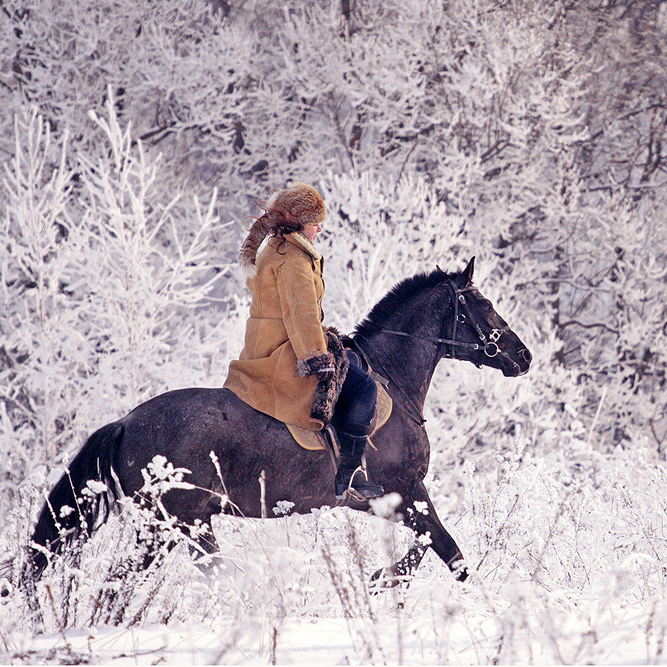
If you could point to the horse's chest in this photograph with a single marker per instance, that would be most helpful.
(417, 453)
(404, 447)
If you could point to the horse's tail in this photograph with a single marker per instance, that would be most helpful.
(73, 509)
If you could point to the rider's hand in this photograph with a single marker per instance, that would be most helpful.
(325, 373)
(321, 365)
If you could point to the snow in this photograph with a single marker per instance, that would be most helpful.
(132, 136)
(563, 571)
(473, 638)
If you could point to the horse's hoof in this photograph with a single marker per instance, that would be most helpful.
(459, 570)
(5, 589)
(384, 580)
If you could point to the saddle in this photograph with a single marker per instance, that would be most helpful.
(326, 439)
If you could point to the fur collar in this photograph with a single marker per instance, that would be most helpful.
(300, 241)
(295, 238)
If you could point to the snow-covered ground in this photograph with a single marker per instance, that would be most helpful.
(136, 139)
(568, 552)
(622, 638)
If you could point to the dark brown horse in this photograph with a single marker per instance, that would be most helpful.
(422, 320)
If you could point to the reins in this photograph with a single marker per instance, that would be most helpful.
(489, 345)
(470, 346)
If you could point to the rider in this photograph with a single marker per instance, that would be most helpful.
(286, 368)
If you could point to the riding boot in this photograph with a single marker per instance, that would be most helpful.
(351, 474)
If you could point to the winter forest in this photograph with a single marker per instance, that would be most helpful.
(136, 140)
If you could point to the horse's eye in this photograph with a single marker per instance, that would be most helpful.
(487, 307)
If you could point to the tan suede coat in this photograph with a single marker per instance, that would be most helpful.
(285, 326)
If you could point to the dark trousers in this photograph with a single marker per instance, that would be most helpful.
(358, 397)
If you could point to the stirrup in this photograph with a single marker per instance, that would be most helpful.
(364, 491)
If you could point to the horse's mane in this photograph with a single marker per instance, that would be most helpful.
(397, 297)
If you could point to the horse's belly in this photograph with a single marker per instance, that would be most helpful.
(243, 461)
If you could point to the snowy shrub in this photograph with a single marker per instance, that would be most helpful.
(136, 139)
(99, 284)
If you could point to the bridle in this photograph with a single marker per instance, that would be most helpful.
(488, 340)
(489, 345)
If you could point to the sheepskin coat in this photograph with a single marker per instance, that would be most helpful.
(284, 332)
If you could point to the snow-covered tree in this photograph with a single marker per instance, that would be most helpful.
(100, 282)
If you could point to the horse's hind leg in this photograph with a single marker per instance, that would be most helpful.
(204, 546)
(400, 570)
(195, 509)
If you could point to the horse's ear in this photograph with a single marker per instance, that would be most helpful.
(437, 268)
(466, 274)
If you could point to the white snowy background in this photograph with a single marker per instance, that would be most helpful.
(135, 139)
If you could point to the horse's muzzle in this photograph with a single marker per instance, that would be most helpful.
(525, 358)
(517, 365)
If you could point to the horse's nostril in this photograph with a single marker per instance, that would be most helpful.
(526, 355)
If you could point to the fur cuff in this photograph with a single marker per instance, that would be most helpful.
(329, 384)
(316, 364)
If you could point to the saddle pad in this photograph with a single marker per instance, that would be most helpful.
(314, 440)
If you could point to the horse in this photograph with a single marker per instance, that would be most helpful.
(422, 320)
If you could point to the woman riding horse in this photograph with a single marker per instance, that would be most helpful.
(291, 367)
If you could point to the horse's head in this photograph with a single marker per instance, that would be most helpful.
(483, 337)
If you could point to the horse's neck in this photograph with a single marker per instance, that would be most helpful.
(408, 361)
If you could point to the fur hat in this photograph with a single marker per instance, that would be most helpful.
(288, 210)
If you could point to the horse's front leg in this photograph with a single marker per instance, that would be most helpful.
(420, 515)
(425, 522)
